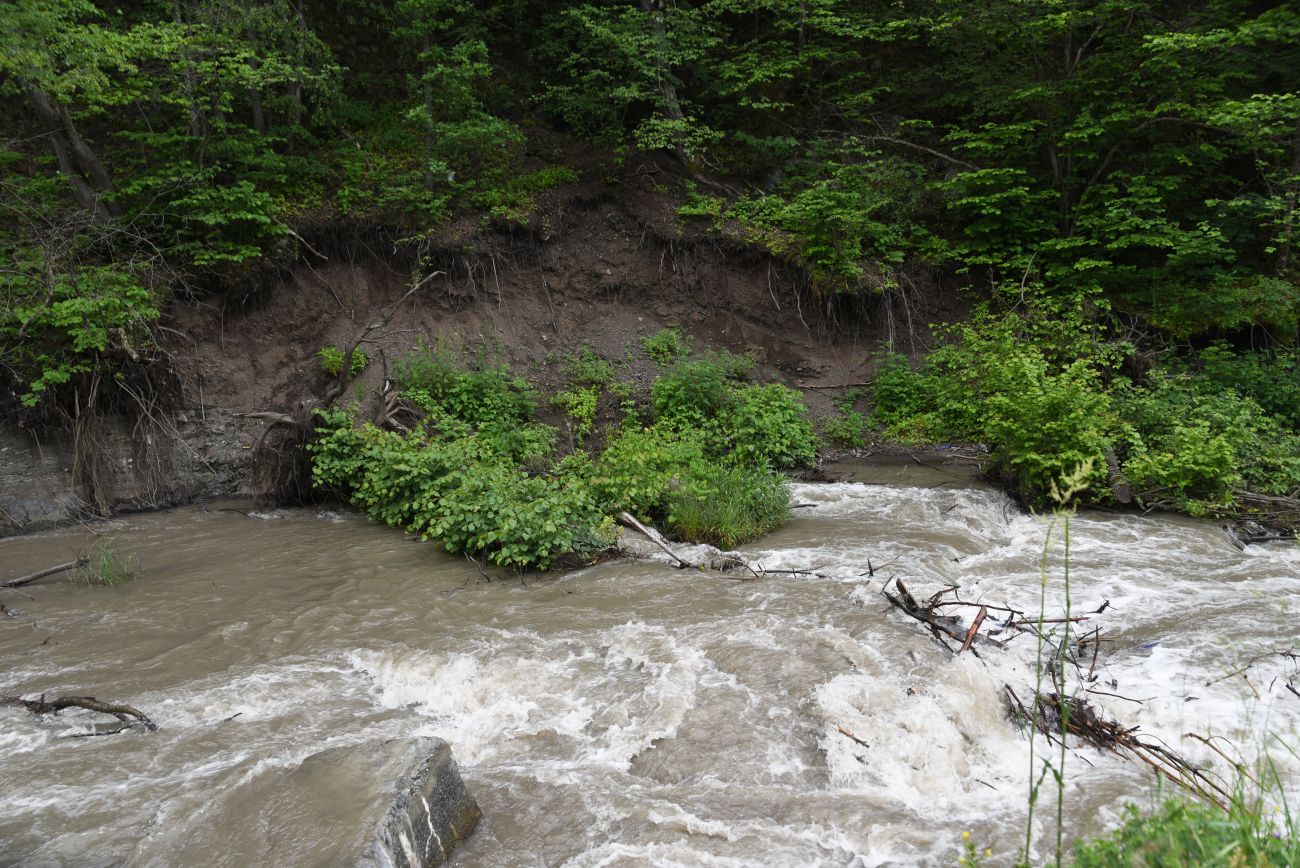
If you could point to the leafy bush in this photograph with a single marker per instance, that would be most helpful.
(331, 361)
(1191, 446)
(638, 468)
(768, 426)
(475, 475)
(849, 427)
(50, 333)
(467, 491)
(667, 347)
(587, 369)
(485, 394)
(579, 405)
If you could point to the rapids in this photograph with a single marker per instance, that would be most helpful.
(629, 713)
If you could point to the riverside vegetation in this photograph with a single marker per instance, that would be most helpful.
(480, 475)
(1116, 183)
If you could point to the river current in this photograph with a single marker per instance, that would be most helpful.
(631, 713)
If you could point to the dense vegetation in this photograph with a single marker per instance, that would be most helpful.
(478, 474)
(1117, 179)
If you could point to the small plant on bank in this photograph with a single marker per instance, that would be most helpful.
(585, 374)
(849, 427)
(1183, 833)
(667, 347)
(105, 566)
(331, 361)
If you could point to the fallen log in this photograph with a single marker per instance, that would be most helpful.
(628, 520)
(126, 714)
(40, 574)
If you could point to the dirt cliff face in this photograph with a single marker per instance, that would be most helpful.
(594, 270)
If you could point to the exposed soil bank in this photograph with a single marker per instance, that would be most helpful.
(600, 272)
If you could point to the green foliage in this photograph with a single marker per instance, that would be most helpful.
(484, 395)
(331, 361)
(482, 479)
(1193, 444)
(587, 369)
(105, 565)
(640, 466)
(696, 392)
(667, 347)
(579, 404)
(1181, 833)
(1045, 397)
(768, 426)
(849, 428)
(728, 504)
(58, 324)
(834, 226)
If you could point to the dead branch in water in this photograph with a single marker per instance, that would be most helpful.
(941, 626)
(129, 716)
(722, 562)
(1055, 716)
(626, 519)
(40, 574)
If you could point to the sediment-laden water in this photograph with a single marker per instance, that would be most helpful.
(629, 713)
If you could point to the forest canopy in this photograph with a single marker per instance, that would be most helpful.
(1132, 158)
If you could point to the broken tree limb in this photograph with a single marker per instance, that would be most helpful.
(125, 713)
(849, 735)
(940, 625)
(628, 520)
(40, 574)
(974, 628)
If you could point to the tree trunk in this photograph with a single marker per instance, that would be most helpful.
(1287, 235)
(198, 121)
(429, 142)
(255, 94)
(77, 161)
(295, 86)
(672, 106)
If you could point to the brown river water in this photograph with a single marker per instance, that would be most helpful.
(629, 713)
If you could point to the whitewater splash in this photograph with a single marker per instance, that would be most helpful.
(635, 714)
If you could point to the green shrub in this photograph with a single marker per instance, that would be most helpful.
(579, 405)
(485, 394)
(1270, 379)
(479, 477)
(726, 505)
(849, 427)
(1046, 425)
(1191, 446)
(639, 466)
(698, 391)
(587, 369)
(768, 425)
(331, 361)
(1180, 833)
(667, 347)
(515, 519)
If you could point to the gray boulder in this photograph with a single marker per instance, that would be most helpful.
(432, 812)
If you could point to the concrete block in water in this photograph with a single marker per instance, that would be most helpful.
(398, 803)
(432, 812)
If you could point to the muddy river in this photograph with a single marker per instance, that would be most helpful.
(629, 713)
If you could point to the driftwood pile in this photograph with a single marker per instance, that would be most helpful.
(1057, 712)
